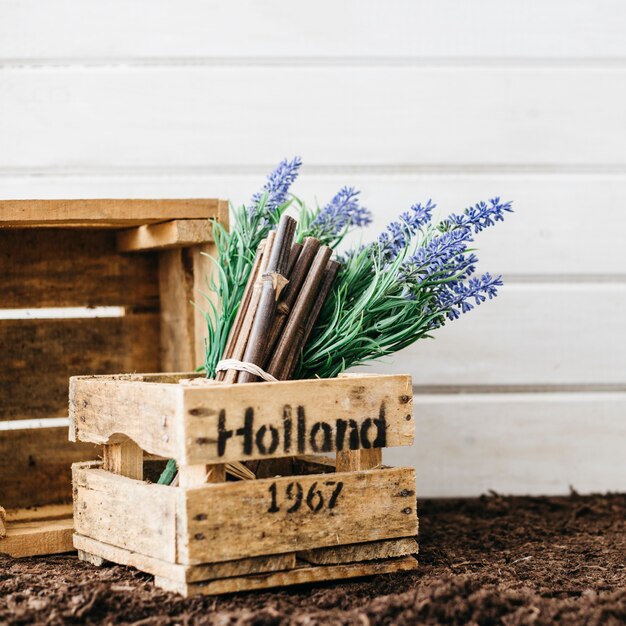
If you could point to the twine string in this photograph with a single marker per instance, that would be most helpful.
(244, 366)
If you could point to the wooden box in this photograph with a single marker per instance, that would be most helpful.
(311, 518)
(88, 286)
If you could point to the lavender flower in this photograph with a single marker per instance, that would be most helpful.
(443, 254)
(277, 186)
(342, 212)
(457, 297)
(398, 234)
(478, 217)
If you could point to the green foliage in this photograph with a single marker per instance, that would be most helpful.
(366, 317)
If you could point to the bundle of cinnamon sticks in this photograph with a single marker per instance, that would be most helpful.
(288, 285)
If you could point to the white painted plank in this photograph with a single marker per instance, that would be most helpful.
(537, 335)
(174, 29)
(541, 239)
(517, 444)
(369, 116)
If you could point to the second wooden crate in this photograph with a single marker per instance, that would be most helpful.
(311, 518)
(88, 286)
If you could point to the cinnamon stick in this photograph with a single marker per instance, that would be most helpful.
(274, 281)
(296, 322)
(243, 307)
(250, 312)
(296, 249)
(300, 343)
(291, 292)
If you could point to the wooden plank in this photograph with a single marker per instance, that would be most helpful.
(41, 268)
(46, 512)
(3, 530)
(137, 516)
(494, 339)
(125, 458)
(376, 411)
(375, 550)
(357, 460)
(183, 573)
(38, 537)
(297, 576)
(593, 97)
(518, 443)
(183, 276)
(302, 417)
(274, 519)
(177, 314)
(108, 409)
(43, 354)
(174, 234)
(484, 29)
(203, 273)
(103, 212)
(553, 205)
(35, 467)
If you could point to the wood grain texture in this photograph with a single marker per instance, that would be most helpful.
(176, 283)
(203, 272)
(156, 31)
(218, 513)
(100, 212)
(138, 516)
(125, 458)
(107, 409)
(374, 550)
(174, 234)
(35, 467)
(34, 513)
(41, 268)
(298, 576)
(268, 405)
(184, 421)
(456, 102)
(185, 277)
(517, 443)
(182, 573)
(35, 538)
(356, 460)
(45, 353)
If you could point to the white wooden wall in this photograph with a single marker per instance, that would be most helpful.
(406, 99)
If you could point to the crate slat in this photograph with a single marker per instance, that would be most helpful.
(297, 576)
(35, 467)
(105, 213)
(371, 551)
(38, 537)
(39, 356)
(140, 516)
(259, 421)
(166, 235)
(297, 513)
(183, 573)
(70, 268)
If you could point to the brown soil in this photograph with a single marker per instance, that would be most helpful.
(492, 560)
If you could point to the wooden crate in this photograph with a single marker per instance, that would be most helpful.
(312, 518)
(141, 257)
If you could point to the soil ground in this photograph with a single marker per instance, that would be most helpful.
(491, 560)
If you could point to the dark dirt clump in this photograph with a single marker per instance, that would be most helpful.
(491, 560)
